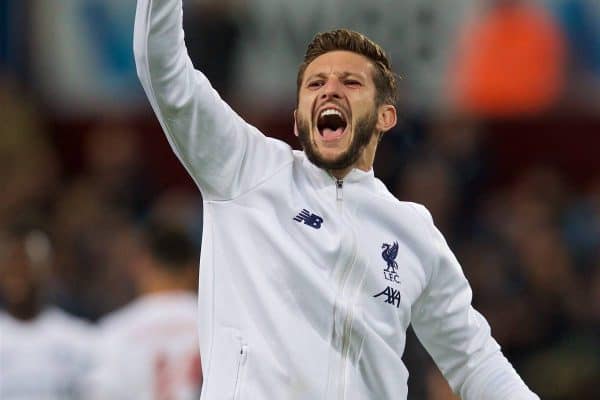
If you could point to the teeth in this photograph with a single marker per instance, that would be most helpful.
(330, 111)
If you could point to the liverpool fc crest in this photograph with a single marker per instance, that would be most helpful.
(389, 254)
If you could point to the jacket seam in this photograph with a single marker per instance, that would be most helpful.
(252, 188)
(435, 259)
(437, 255)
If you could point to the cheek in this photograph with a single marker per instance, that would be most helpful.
(303, 110)
(363, 109)
(305, 101)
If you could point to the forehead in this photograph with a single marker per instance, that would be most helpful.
(340, 62)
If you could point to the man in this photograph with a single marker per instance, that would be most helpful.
(311, 269)
(149, 348)
(44, 352)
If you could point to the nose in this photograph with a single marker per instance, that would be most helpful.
(331, 89)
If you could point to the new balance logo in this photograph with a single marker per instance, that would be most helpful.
(392, 296)
(309, 219)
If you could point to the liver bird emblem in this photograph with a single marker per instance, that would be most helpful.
(389, 254)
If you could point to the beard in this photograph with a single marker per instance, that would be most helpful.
(364, 130)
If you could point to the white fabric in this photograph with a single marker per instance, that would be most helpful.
(288, 308)
(45, 358)
(149, 351)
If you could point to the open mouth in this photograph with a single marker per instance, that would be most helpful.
(331, 124)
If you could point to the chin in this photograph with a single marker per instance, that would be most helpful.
(330, 155)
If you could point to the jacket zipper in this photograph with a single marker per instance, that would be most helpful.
(339, 186)
(240, 367)
(348, 318)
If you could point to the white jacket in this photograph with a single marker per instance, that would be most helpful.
(307, 285)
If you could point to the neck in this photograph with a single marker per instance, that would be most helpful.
(26, 310)
(364, 162)
(340, 173)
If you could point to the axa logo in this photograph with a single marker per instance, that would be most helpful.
(390, 273)
(392, 296)
(310, 219)
(389, 254)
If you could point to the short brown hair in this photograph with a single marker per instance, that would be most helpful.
(344, 39)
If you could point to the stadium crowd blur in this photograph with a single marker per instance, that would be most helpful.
(500, 139)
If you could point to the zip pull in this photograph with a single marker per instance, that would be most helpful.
(339, 195)
(243, 353)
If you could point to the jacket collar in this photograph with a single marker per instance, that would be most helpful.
(323, 178)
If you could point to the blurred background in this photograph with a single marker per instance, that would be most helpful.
(499, 138)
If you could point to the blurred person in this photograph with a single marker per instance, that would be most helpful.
(510, 61)
(542, 286)
(114, 167)
(93, 217)
(311, 270)
(93, 241)
(582, 237)
(179, 208)
(489, 264)
(569, 369)
(563, 361)
(44, 352)
(149, 348)
(533, 229)
(582, 228)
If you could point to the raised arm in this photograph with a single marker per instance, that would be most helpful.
(459, 338)
(223, 154)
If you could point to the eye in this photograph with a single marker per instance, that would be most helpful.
(352, 83)
(315, 84)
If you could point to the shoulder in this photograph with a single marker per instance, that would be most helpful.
(5, 318)
(122, 316)
(9, 326)
(419, 219)
(148, 310)
(60, 319)
(68, 331)
(411, 222)
(414, 213)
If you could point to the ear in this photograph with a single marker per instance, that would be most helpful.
(295, 123)
(386, 118)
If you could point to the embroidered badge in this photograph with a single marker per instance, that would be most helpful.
(310, 219)
(389, 254)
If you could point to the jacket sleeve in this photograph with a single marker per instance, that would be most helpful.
(458, 337)
(225, 155)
